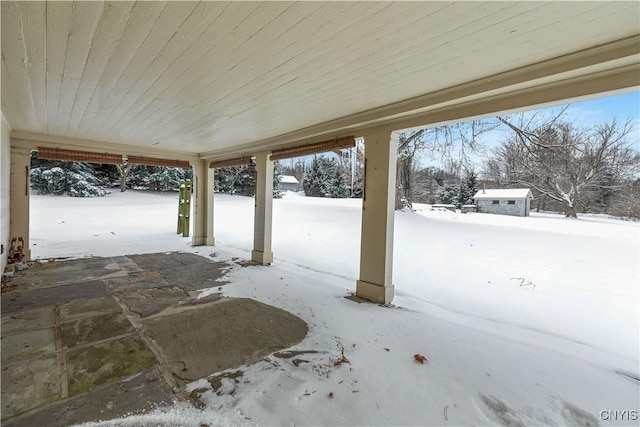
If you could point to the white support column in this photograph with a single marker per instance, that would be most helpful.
(376, 245)
(203, 204)
(19, 197)
(263, 210)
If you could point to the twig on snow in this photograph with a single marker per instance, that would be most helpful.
(524, 282)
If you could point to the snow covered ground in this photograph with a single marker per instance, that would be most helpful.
(523, 321)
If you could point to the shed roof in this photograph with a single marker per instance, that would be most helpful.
(288, 179)
(504, 193)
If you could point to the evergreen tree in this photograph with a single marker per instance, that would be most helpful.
(449, 194)
(242, 180)
(59, 177)
(277, 176)
(246, 180)
(468, 189)
(157, 178)
(79, 179)
(457, 191)
(325, 178)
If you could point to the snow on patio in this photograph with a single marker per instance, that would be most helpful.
(523, 321)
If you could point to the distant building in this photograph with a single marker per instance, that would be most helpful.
(289, 183)
(511, 201)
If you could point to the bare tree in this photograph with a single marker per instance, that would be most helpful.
(626, 202)
(453, 143)
(562, 161)
(123, 170)
(408, 146)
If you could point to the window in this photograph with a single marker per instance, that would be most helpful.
(496, 202)
(511, 202)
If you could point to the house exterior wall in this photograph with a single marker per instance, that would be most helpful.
(5, 168)
(519, 208)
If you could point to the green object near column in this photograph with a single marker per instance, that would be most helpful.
(184, 207)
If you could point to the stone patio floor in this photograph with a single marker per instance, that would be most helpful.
(98, 338)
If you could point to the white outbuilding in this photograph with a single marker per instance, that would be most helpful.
(509, 201)
(289, 183)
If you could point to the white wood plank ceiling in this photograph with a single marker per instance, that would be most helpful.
(208, 77)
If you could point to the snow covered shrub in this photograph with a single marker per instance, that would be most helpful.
(81, 187)
(74, 179)
(48, 181)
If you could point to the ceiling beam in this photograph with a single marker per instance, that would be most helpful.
(335, 144)
(520, 100)
(28, 140)
(240, 161)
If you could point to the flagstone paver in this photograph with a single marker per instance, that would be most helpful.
(97, 338)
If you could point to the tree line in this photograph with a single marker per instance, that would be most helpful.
(569, 167)
(79, 179)
(583, 169)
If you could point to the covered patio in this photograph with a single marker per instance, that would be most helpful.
(216, 83)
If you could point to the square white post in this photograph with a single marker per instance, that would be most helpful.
(203, 204)
(262, 253)
(19, 198)
(378, 205)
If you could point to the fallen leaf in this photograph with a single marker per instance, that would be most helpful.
(420, 358)
(342, 359)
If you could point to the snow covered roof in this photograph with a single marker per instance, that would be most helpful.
(288, 179)
(504, 193)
